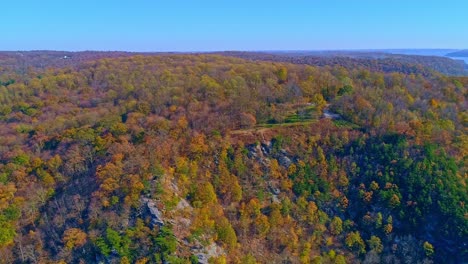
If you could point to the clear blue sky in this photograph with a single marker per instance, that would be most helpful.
(198, 25)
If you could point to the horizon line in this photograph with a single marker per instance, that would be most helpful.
(234, 50)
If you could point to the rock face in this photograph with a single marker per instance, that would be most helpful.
(205, 253)
(182, 204)
(202, 258)
(156, 215)
(284, 161)
(180, 220)
(264, 151)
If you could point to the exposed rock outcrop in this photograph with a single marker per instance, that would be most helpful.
(156, 214)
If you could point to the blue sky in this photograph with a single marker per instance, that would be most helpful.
(172, 25)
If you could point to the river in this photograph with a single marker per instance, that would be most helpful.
(460, 58)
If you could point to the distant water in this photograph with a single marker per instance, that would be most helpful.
(460, 58)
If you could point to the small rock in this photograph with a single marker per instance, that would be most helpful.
(182, 204)
(202, 258)
(284, 161)
(275, 190)
(275, 199)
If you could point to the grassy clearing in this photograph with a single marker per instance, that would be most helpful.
(302, 116)
(301, 123)
(345, 124)
(308, 113)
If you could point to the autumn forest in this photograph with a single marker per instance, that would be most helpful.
(231, 158)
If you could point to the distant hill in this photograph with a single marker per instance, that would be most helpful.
(390, 60)
(374, 61)
(20, 61)
(419, 52)
(461, 53)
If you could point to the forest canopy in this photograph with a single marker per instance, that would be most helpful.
(197, 158)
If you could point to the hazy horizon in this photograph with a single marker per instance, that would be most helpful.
(243, 50)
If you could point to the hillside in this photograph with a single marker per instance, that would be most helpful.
(210, 158)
